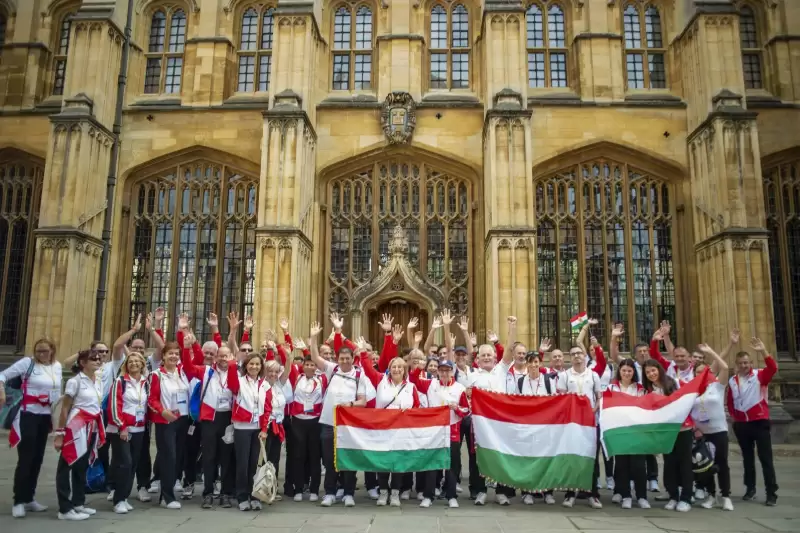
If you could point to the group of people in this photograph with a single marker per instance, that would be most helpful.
(213, 407)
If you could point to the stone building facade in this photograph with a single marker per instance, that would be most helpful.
(636, 159)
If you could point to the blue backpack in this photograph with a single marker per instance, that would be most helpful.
(95, 478)
(196, 399)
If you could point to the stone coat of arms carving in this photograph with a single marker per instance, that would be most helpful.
(399, 117)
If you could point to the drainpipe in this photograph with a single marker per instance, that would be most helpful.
(111, 183)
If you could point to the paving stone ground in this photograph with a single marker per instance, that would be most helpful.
(291, 517)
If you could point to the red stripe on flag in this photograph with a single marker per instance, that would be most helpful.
(652, 402)
(541, 410)
(392, 418)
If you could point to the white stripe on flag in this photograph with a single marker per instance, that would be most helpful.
(626, 416)
(534, 440)
(387, 440)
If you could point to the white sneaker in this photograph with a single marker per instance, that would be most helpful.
(155, 487)
(35, 507)
(425, 503)
(452, 503)
(327, 500)
(569, 502)
(298, 497)
(178, 487)
(313, 497)
(626, 503)
(394, 498)
(110, 497)
(501, 499)
(349, 501)
(175, 505)
(699, 494)
(610, 483)
(683, 507)
(459, 490)
(127, 505)
(727, 504)
(652, 485)
(594, 503)
(420, 496)
(549, 499)
(188, 492)
(671, 505)
(383, 498)
(18, 511)
(528, 499)
(373, 494)
(437, 493)
(255, 505)
(120, 508)
(72, 515)
(616, 498)
(480, 499)
(339, 494)
(144, 496)
(244, 506)
(710, 502)
(643, 504)
(405, 495)
(81, 509)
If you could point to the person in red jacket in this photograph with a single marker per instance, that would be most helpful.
(747, 405)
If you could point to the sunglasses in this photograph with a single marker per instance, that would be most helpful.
(94, 358)
(100, 351)
(247, 349)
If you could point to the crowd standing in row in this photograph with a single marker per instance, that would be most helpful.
(218, 402)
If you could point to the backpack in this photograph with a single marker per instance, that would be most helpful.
(702, 456)
(521, 380)
(196, 400)
(14, 397)
(95, 478)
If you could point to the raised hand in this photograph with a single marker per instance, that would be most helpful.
(447, 318)
(137, 324)
(413, 323)
(316, 329)
(512, 321)
(593, 322)
(735, 335)
(248, 323)
(665, 327)
(617, 332)
(546, 345)
(386, 322)
(703, 348)
(452, 339)
(158, 316)
(464, 323)
(473, 339)
(397, 333)
(337, 321)
(417, 337)
(437, 322)
(188, 338)
(148, 322)
(491, 336)
(361, 343)
(233, 320)
(757, 345)
(658, 334)
(284, 323)
(299, 344)
(183, 321)
(270, 336)
(593, 341)
(213, 320)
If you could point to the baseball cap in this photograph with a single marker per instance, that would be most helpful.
(448, 364)
(460, 349)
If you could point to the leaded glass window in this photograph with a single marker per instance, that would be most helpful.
(256, 36)
(782, 202)
(164, 56)
(20, 195)
(546, 38)
(645, 51)
(432, 207)
(353, 36)
(193, 238)
(60, 57)
(604, 238)
(450, 43)
(751, 48)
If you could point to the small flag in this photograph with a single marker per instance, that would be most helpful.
(578, 321)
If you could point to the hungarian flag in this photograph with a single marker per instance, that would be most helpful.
(391, 440)
(535, 443)
(649, 424)
(578, 321)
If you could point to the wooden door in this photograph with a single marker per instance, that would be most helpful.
(402, 311)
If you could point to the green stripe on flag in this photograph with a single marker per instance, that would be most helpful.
(644, 439)
(392, 461)
(536, 473)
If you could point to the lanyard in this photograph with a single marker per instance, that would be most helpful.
(52, 375)
(530, 384)
(252, 389)
(94, 389)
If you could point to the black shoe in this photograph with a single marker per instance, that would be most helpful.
(225, 501)
(772, 500)
(749, 495)
(208, 502)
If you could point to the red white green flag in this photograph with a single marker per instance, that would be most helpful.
(535, 443)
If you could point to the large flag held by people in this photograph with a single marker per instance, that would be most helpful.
(391, 440)
(649, 424)
(535, 443)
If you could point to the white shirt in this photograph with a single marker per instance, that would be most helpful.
(87, 395)
(708, 412)
(463, 376)
(108, 373)
(343, 388)
(493, 380)
(174, 391)
(586, 383)
(43, 383)
(393, 396)
(533, 387)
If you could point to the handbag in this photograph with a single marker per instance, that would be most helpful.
(14, 398)
(265, 482)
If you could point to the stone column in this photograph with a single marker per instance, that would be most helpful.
(69, 238)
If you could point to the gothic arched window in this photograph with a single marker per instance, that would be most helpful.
(352, 50)
(255, 49)
(165, 46)
(645, 51)
(604, 237)
(193, 235)
(449, 47)
(546, 44)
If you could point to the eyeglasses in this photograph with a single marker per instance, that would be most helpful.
(247, 349)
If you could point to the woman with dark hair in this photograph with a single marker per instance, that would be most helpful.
(39, 379)
(79, 435)
(169, 409)
(629, 467)
(678, 476)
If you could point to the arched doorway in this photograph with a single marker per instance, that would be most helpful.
(403, 311)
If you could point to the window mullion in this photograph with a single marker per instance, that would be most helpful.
(628, 247)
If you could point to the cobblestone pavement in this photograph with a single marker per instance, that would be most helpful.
(291, 517)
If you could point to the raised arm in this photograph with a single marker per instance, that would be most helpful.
(463, 325)
(599, 357)
(248, 327)
(508, 355)
(193, 371)
(580, 341)
(655, 352)
(118, 351)
(770, 366)
(733, 340)
(213, 325)
(412, 325)
(437, 323)
(233, 331)
(389, 348)
(666, 328)
(616, 337)
(718, 365)
(316, 329)
(152, 326)
(373, 375)
(449, 338)
(286, 336)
